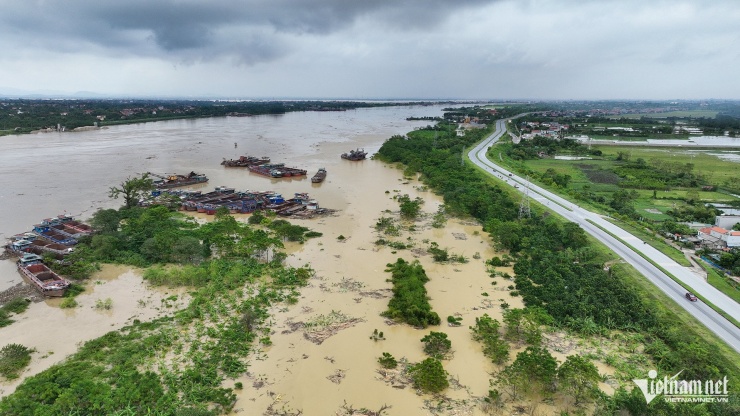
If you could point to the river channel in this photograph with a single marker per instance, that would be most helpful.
(48, 174)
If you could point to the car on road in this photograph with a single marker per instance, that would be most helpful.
(690, 296)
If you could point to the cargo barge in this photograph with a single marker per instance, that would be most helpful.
(277, 170)
(319, 176)
(46, 232)
(29, 244)
(245, 161)
(174, 181)
(42, 277)
(355, 155)
(250, 201)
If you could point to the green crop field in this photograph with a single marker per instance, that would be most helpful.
(678, 114)
(714, 169)
(596, 175)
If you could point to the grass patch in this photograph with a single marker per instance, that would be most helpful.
(13, 359)
(714, 169)
(654, 241)
(14, 306)
(724, 284)
(106, 304)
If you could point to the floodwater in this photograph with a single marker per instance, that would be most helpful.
(700, 141)
(730, 156)
(294, 374)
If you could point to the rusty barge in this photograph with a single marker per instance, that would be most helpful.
(277, 170)
(245, 161)
(249, 201)
(174, 181)
(319, 176)
(355, 155)
(41, 277)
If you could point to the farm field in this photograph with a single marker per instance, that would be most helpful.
(677, 114)
(596, 175)
(713, 168)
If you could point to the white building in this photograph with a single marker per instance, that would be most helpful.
(726, 221)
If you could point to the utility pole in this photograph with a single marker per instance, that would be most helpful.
(524, 208)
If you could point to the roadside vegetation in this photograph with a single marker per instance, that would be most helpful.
(561, 273)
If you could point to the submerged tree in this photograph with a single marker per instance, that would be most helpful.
(132, 190)
(436, 344)
(580, 377)
(429, 376)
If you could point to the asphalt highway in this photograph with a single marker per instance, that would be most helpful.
(715, 322)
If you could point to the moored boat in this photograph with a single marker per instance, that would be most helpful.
(245, 161)
(78, 226)
(269, 170)
(358, 154)
(42, 277)
(319, 176)
(46, 232)
(38, 246)
(173, 181)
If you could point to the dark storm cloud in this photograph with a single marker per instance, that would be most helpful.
(374, 48)
(193, 29)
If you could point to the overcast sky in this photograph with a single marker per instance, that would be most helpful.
(467, 49)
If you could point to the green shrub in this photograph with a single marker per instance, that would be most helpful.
(73, 290)
(14, 358)
(105, 304)
(410, 303)
(429, 376)
(388, 361)
(14, 306)
(17, 305)
(436, 344)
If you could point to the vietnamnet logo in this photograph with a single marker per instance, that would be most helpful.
(676, 390)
